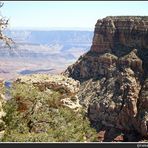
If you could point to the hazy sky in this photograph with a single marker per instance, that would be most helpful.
(81, 14)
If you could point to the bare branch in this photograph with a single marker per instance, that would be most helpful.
(1, 4)
(3, 25)
(8, 41)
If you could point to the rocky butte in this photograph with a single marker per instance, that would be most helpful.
(114, 76)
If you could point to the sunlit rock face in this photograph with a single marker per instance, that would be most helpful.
(114, 74)
(124, 32)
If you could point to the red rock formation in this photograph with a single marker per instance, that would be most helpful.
(113, 32)
(113, 74)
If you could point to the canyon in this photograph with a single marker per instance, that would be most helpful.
(37, 51)
(109, 83)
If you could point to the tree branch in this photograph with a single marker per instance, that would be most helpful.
(3, 25)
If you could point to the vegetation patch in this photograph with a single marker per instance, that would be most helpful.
(39, 116)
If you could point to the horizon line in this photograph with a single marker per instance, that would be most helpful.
(52, 28)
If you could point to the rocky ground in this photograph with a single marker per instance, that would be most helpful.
(68, 87)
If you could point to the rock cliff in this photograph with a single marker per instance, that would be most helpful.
(114, 74)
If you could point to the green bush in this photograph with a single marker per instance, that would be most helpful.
(38, 116)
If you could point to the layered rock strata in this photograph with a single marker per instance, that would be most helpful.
(114, 74)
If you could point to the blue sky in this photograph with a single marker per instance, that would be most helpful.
(64, 14)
